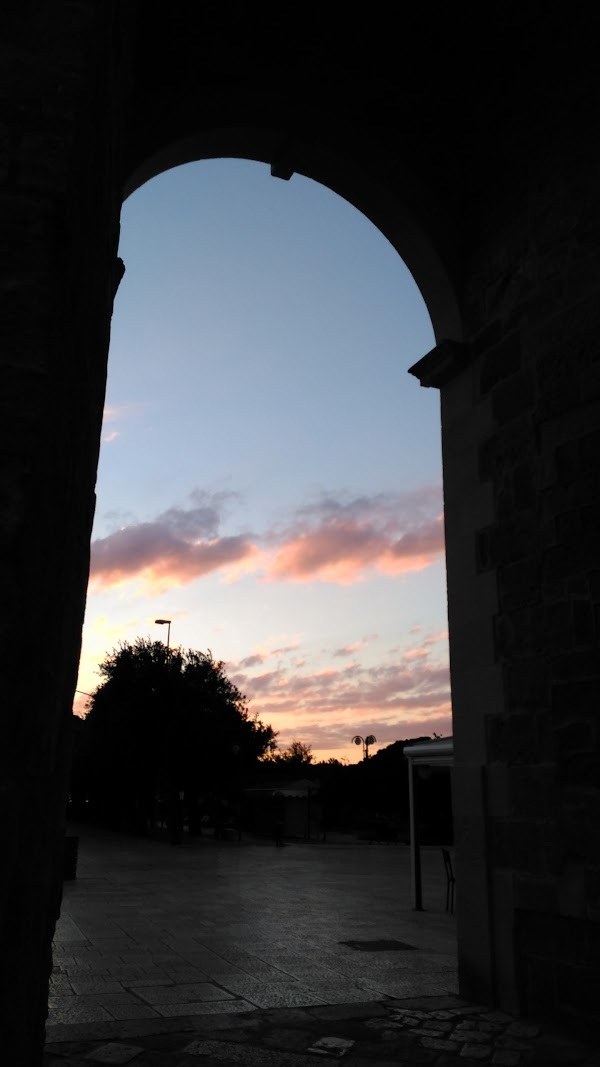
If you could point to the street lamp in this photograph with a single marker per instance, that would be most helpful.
(165, 622)
(365, 742)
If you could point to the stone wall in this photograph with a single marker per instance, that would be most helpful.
(533, 316)
(502, 197)
(58, 223)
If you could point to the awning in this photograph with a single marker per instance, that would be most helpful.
(437, 753)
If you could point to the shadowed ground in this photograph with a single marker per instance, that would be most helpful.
(152, 930)
(219, 952)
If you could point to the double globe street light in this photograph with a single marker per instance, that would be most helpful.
(365, 741)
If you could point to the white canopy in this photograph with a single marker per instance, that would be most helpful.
(436, 753)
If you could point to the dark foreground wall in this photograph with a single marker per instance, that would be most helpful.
(521, 439)
(58, 247)
(488, 189)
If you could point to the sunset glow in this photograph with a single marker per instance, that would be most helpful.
(270, 474)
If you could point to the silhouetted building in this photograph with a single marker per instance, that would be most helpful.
(291, 807)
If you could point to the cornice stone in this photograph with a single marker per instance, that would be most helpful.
(442, 364)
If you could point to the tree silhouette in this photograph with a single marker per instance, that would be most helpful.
(296, 757)
(165, 722)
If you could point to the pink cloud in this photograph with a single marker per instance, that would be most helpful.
(257, 658)
(356, 646)
(332, 540)
(182, 544)
(433, 640)
(151, 552)
(334, 737)
(252, 661)
(413, 691)
(339, 541)
(284, 650)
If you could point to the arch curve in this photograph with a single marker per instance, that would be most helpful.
(397, 211)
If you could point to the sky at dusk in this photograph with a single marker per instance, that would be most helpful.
(270, 474)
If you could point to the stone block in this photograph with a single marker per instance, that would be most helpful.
(204, 1007)
(539, 987)
(518, 844)
(575, 702)
(42, 162)
(519, 583)
(179, 994)
(577, 737)
(497, 790)
(534, 790)
(527, 685)
(506, 1058)
(115, 1052)
(575, 665)
(552, 626)
(513, 397)
(524, 488)
(476, 1052)
(362, 1010)
(499, 363)
(536, 893)
(512, 739)
(571, 892)
(581, 769)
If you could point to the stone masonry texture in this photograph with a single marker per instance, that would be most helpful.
(477, 155)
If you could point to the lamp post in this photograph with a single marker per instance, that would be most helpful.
(165, 622)
(157, 788)
(365, 741)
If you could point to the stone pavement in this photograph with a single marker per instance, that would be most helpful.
(240, 953)
(436, 1031)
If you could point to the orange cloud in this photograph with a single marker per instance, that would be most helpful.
(149, 552)
(433, 640)
(341, 551)
(338, 539)
(257, 658)
(395, 701)
(182, 544)
(333, 540)
(337, 552)
(332, 736)
(341, 540)
(415, 689)
(356, 646)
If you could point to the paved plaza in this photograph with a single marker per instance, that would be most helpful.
(240, 952)
(148, 929)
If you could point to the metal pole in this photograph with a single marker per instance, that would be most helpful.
(415, 851)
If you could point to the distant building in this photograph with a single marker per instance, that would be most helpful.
(295, 804)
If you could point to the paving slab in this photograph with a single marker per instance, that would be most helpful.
(246, 947)
(144, 922)
(391, 1032)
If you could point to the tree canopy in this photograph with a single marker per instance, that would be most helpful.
(296, 757)
(168, 725)
(166, 721)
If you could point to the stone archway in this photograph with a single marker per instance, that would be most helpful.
(497, 224)
(394, 210)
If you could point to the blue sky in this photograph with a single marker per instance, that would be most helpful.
(270, 474)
